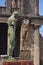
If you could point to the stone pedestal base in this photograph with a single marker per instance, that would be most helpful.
(21, 62)
(25, 55)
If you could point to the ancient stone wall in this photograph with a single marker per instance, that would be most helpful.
(41, 48)
(29, 7)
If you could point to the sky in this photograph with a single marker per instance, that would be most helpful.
(41, 7)
(41, 14)
(2, 2)
(40, 11)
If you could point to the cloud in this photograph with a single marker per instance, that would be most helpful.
(41, 30)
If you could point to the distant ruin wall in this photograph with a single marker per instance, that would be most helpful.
(41, 48)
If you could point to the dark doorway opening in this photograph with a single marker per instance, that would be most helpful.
(16, 50)
(3, 38)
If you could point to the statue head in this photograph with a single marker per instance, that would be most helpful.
(12, 18)
(26, 22)
(15, 13)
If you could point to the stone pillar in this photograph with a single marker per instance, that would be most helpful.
(36, 12)
(36, 46)
(21, 7)
(13, 4)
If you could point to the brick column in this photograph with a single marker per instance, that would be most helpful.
(36, 46)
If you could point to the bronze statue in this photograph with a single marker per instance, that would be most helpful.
(11, 32)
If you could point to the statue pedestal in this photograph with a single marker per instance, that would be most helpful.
(27, 62)
(25, 55)
(11, 63)
(21, 62)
